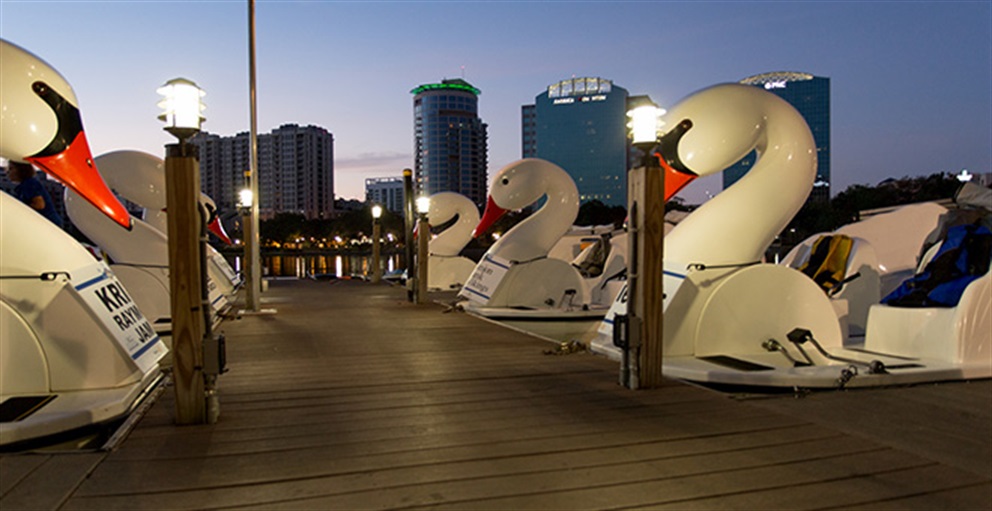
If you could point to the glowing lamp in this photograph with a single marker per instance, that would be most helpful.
(423, 205)
(645, 123)
(376, 212)
(245, 198)
(182, 107)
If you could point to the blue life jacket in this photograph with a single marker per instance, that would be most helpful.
(963, 257)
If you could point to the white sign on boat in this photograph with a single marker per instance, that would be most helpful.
(120, 315)
(485, 279)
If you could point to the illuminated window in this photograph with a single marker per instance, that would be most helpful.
(592, 85)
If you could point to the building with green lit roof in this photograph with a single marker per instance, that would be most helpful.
(450, 141)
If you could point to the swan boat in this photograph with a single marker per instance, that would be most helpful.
(446, 268)
(515, 278)
(75, 351)
(140, 178)
(140, 257)
(884, 252)
(729, 319)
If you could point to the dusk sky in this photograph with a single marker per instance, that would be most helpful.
(911, 81)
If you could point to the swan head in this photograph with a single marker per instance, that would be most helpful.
(519, 185)
(710, 130)
(41, 125)
(446, 205)
(214, 224)
(136, 175)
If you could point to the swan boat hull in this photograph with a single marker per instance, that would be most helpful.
(767, 371)
(75, 349)
(56, 414)
(717, 331)
(544, 315)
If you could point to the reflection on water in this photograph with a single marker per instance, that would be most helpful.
(308, 265)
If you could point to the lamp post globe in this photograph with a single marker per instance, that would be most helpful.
(645, 124)
(182, 107)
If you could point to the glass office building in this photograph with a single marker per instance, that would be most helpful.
(450, 141)
(580, 124)
(810, 95)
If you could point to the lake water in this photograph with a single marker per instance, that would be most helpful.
(307, 265)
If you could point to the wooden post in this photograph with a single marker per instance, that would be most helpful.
(248, 262)
(645, 305)
(408, 221)
(376, 264)
(182, 174)
(423, 237)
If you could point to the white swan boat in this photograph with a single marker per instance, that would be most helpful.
(731, 320)
(140, 257)
(516, 279)
(883, 254)
(75, 351)
(446, 267)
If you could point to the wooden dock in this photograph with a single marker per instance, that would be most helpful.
(351, 398)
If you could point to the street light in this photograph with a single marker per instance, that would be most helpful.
(639, 331)
(197, 353)
(423, 236)
(183, 108)
(645, 124)
(245, 198)
(376, 233)
(423, 206)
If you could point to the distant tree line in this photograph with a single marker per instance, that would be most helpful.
(815, 216)
(845, 207)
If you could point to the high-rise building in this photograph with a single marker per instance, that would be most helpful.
(450, 141)
(295, 167)
(387, 191)
(580, 124)
(810, 95)
(224, 163)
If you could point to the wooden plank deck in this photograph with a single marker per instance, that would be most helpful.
(351, 398)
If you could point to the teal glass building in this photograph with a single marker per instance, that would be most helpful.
(810, 95)
(450, 141)
(580, 124)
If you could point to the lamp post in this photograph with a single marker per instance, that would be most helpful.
(245, 201)
(408, 224)
(182, 108)
(376, 233)
(642, 351)
(189, 303)
(423, 237)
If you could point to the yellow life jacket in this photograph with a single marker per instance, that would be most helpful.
(827, 262)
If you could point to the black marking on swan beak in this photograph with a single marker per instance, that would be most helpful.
(668, 146)
(70, 124)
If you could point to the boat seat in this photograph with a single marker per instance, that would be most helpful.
(954, 334)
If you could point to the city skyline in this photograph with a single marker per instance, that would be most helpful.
(911, 82)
